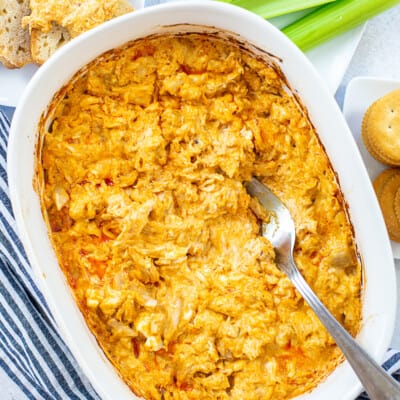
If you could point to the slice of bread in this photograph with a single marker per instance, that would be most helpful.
(44, 44)
(14, 40)
(124, 7)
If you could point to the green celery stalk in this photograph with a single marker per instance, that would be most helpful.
(333, 19)
(275, 8)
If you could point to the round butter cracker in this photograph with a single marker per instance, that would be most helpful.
(397, 204)
(387, 203)
(381, 129)
(381, 180)
(364, 135)
(370, 147)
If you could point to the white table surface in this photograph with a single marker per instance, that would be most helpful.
(378, 55)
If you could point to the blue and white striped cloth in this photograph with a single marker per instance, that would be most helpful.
(35, 363)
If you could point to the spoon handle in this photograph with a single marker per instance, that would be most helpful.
(376, 381)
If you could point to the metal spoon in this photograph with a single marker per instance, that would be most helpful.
(280, 231)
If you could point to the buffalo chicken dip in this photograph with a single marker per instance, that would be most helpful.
(142, 162)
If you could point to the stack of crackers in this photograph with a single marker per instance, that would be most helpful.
(381, 136)
(32, 30)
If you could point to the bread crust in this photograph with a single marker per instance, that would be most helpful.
(43, 45)
(14, 40)
(21, 43)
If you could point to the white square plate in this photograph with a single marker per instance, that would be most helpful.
(360, 94)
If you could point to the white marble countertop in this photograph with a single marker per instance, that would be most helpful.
(378, 55)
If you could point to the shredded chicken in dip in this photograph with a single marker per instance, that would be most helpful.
(141, 178)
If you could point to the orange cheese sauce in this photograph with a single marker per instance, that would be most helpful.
(141, 181)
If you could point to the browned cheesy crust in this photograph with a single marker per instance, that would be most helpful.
(141, 181)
